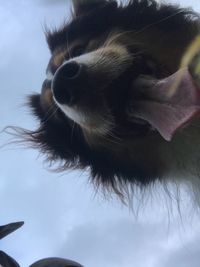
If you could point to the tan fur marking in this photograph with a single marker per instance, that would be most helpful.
(47, 97)
(59, 58)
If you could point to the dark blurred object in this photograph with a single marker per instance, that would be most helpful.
(9, 228)
(7, 261)
(55, 262)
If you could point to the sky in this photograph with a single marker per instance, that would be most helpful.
(63, 215)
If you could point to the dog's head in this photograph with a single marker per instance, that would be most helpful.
(104, 103)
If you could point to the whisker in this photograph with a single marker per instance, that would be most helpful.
(120, 34)
(54, 110)
(158, 22)
(49, 110)
(68, 50)
(73, 128)
(102, 49)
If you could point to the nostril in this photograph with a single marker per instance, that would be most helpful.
(71, 70)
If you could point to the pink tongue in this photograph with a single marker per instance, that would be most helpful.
(168, 111)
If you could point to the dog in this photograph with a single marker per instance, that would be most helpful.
(107, 103)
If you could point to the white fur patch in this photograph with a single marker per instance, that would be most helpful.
(71, 113)
(87, 59)
(49, 75)
(89, 122)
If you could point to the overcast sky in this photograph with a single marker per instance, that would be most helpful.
(62, 215)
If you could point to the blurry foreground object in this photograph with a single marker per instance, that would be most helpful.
(7, 261)
(9, 228)
(193, 56)
(190, 61)
(55, 262)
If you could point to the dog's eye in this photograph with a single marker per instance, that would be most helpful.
(77, 50)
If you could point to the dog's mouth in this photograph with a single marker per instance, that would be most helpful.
(166, 105)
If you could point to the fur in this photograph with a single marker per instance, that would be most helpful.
(117, 43)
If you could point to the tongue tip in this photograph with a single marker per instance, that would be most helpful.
(168, 134)
(168, 138)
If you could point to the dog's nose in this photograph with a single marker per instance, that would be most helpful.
(66, 83)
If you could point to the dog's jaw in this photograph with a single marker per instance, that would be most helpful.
(90, 122)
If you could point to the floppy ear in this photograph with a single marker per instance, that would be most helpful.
(81, 7)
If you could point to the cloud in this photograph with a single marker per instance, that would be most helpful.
(185, 256)
(10, 33)
(51, 2)
(114, 243)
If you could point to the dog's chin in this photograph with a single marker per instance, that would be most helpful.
(90, 122)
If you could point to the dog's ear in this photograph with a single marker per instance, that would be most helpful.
(81, 7)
